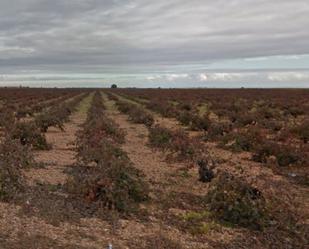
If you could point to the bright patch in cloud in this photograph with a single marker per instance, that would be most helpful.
(289, 76)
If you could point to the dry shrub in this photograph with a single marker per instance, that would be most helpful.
(23, 112)
(263, 152)
(206, 166)
(102, 128)
(246, 119)
(136, 113)
(112, 185)
(96, 150)
(217, 130)
(140, 116)
(165, 109)
(175, 141)
(267, 112)
(178, 143)
(185, 118)
(246, 141)
(29, 134)
(234, 201)
(285, 155)
(194, 121)
(123, 107)
(7, 119)
(13, 158)
(185, 147)
(162, 242)
(274, 125)
(112, 97)
(160, 137)
(46, 120)
(185, 106)
(294, 111)
(200, 122)
(302, 131)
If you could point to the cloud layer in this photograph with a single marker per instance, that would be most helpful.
(173, 40)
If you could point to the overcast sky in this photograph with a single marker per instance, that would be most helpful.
(149, 43)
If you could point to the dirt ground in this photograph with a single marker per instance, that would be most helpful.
(46, 217)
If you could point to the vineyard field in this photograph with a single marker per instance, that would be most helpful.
(154, 168)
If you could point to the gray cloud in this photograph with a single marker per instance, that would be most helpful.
(123, 36)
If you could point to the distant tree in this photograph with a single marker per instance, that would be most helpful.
(113, 86)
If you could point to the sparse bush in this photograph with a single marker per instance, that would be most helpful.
(29, 134)
(200, 122)
(242, 143)
(246, 119)
(165, 109)
(111, 184)
(285, 155)
(185, 107)
(179, 145)
(234, 201)
(13, 158)
(206, 166)
(7, 119)
(246, 141)
(302, 131)
(263, 152)
(184, 118)
(46, 120)
(273, 125)
(23, 112)
(123, 107)
(184, 147)
(160, 137)
(267, 112)
(102, 128)
(140, 116)
(96, 150)
(162, 242)
(295, 111)
(136, 114)
(112, 97)
(217, 130)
